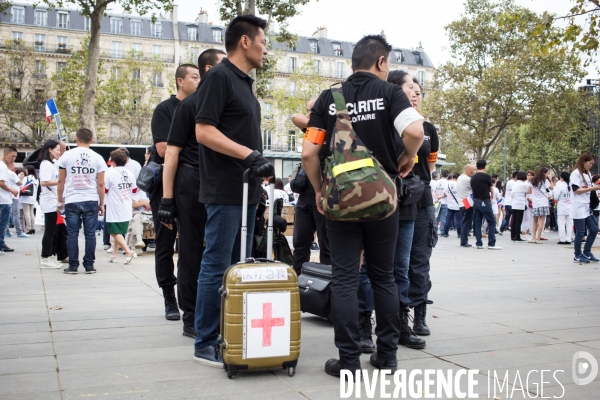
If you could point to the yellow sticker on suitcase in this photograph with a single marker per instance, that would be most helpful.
(266, 324)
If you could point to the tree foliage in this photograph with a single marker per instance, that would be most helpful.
(24, 89)
(498, 77)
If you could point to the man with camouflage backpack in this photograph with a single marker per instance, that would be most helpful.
(360, 171)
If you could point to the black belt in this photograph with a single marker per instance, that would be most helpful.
(189, 165)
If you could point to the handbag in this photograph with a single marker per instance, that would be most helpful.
(356, 188)
(150, 177)
(410, 190)
(27, 190)
(300, 180)
(314, 284)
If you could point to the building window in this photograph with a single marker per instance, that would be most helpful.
(292, 64)
(156, 30)
(267, 140)
(293, 89)
(39, 69)
(217, 35)
(292, 141)
(115, 131)
(62, 20)
(87, 24)
(136, 48)
(337, 50)
(157, 50)
(17, 36)
(136, 28)
(40, 42)
(157, 79)
(339, 70)
(61, 44)
(117, 50)
(421, 78)
(399, 56)
(60, 66)
(192, 33)
(136, 75)
(418, 58)
(116, 26)
(268, 111)
(314, 46)
(41, 18)
(115, 73)
(18, 15)
(317, 66)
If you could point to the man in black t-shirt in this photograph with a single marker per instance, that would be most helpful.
(186, 80)
(376, 108)
(483, 188)
(181, 183)
(228, 129)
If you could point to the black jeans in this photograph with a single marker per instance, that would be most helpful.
(506, 221)
(483, 210)
(453, 215)
(164, 239)
(467, 223)
(49, 231)
(105, 234)
(424, 240)
(307, 220)
(59, 242)
(378, 239)
(515, 226)
(192, 220)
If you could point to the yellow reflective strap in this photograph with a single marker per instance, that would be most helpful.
(352, 165)
(416, 159)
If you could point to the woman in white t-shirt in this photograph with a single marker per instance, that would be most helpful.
(519, 204)
(581, 185)
(562, 198)
(526, 226)
(28, 202)
(119, 186)
(539, 189)
(48, 201)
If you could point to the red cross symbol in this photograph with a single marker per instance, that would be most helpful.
(267, 323)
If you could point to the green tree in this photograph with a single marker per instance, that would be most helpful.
(95, 9)
(498, 76)
(24, 89)
(129, 96)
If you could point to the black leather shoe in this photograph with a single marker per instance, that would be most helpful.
(7, 249)
(383, 364)
(333, 368)
(419, 325)
(171, 307)
(189, 332)
(365, 329)
(407, 336)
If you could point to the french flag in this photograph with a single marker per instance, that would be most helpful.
(50, 110)
(468, 202)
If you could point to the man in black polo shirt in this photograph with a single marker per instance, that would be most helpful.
(483, 188)
(181, 183)
(387, 107)
(186, 81)
(228, 128)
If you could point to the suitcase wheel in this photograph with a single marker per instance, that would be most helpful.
(231, 372)
(291, 371)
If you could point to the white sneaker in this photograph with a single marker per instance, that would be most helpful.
(106, 247)
(48, 263)
(109, 250)
(494, 248)
(55, 261)
(140, 244)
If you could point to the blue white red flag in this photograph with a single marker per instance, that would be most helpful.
(50, 110)
(468, 202)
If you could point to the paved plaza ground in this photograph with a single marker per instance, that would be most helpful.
(526, 308)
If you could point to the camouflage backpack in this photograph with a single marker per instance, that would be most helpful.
(356, 188)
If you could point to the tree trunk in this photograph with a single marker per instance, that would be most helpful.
(88, 110)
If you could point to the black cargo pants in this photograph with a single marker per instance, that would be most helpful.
(164, 239)
(191, 223)
(307, 220)
(424, 240)
(347, 240)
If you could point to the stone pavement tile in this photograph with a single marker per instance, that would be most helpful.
(109, 323)
(23, 338)
(27, 365)
(441, 348)
(491, 306)
(20, 297)
(109, 333)
(18, 384)
(33, 396)
(548, 324)
(512, 358)
(27, 327)
(509, 316)
(572, 391)
(108, 313)
(574, 335)
(26, 350)
(467, 331)
(436, 322)
(594, 344)
(116, 344)
(24, 304)
(119, 358)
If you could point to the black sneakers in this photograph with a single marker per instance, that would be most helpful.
(171, 307)
(188, 331)
(210, 356)
(90, 270)
(71, 270)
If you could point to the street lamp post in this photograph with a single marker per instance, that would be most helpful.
(504, 148)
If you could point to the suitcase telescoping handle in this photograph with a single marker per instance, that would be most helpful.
(244, 232)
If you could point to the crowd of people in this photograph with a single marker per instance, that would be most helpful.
(205, 137)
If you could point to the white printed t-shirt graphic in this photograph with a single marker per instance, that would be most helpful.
(539, 194)
(441, 187)
(267, 324)
(48, 173)
(82, 166)
(5, 195)
(119, 187)
(563, 195)
(580, 203)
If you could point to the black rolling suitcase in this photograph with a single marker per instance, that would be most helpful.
(315, 292)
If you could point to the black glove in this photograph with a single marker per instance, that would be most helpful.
(259, 165)
(167, 212)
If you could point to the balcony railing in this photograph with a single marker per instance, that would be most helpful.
(326, 72)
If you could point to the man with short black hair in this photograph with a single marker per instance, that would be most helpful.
(483, 188)
(187, 78)
(228, 129)
(394, 118)
(181, 184)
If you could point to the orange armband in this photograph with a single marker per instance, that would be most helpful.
(315, 136)
(432, 157)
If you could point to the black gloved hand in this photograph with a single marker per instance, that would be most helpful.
(259, 165)
(167, 212)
